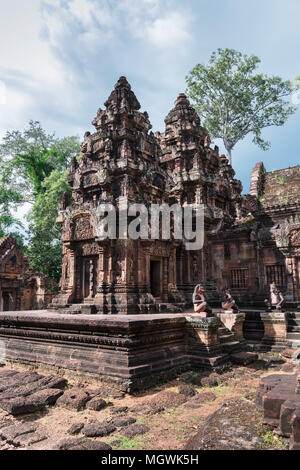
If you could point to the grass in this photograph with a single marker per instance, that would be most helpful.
(128, 443)
(171, 411)
(141, 420)
(196, 419)
(221, 390)
(250, 395)
(270, 439)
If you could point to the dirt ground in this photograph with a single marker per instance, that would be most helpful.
(165, 417)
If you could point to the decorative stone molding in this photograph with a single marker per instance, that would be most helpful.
(275, 330)
(234, 322)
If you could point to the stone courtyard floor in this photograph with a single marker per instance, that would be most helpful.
(196, 411)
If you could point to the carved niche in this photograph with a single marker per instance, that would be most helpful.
(295, 238)
(88, 249)
(90, 179)
(82, 228)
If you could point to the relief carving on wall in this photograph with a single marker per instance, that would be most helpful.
(195, 268)
(159, 250)
(88, 249)
(90, 179)
(295, 238)
(82, 228)
(119, 264)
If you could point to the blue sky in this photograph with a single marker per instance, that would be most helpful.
(59, 59)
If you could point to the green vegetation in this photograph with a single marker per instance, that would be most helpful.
(171, 411)
(33, 169)
(129, 443)
(221, 390)
(272, 440)
(234, 100)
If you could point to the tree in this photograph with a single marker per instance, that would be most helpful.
(30, 156)
(8, 200)
(233, 100)
(45, 247)
(33, 168)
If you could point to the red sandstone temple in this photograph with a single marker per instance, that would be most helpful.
(250, 240)
(21, 288)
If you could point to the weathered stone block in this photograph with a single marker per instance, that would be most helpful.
(286, 413)
(272, 403)
(295, 440)
(31, 403)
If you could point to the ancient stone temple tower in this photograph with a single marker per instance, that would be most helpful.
(124, 162)
(121, 160)
(124, 159)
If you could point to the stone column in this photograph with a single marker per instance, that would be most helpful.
(165, 280)
(101, 266)
(234, 322)
(147, 268)
(203, 343)
(275, 326)
(72, 272)
(260, 267)
(291, 273)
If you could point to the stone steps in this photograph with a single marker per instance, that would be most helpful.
(294, 323)
(231, 347)
(294, 317)
(293, 344)
(226, 338)
(293, 329)
(293, 336)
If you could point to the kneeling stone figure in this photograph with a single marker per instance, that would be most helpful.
(228, 302)
(200, 302)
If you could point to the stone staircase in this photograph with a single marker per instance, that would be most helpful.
(228, 341)
(237, 351)
(293, 329)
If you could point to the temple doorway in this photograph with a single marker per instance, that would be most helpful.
(298, 277)
(88, 277)
(6, 301)
(155, 278)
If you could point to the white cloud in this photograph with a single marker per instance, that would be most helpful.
(82, 11)
(28, 67)
(100, 22)
(22, 49)
(170, 31)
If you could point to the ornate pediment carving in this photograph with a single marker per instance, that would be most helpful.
(82, 228)
(295, 238)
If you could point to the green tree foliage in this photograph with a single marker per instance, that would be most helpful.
(45, 247)
(30, 156)
(8, 201)
(233, 100)
(33, 168)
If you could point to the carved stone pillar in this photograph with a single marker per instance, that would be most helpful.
(147, 268)
(291, 270)
(72, 271)
(204, 347)
(275, 326)
(233, 322)
(101, 266)
(165, 280)
(260, 267)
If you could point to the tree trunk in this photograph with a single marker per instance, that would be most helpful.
(228, 146)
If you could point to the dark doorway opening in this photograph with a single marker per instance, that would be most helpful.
(89, 277)
(6, 301)
(155, 278)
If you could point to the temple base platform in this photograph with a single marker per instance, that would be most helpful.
(131, 351)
